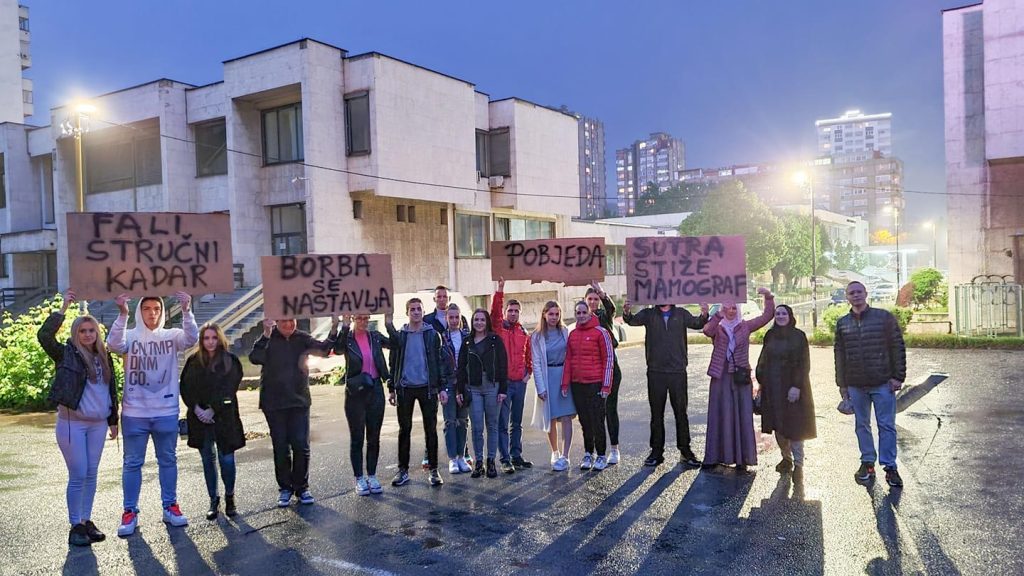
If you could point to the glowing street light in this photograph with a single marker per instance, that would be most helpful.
(895, 211)
(76, 125)
(802, 179)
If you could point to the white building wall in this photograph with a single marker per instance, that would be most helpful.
(11, 107)
(1003, 31)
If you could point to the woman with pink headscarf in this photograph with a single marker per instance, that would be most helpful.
(730, 434)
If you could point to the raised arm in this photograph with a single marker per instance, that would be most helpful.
(47, 336)
(711, 328)
(116, 338)
(767, 314)
(189, 333)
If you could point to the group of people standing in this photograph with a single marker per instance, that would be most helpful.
(477, 370)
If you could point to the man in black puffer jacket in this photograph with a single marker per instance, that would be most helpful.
(871, 365)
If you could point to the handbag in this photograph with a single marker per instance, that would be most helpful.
(741, 377)
(359, 382)
(182, 427)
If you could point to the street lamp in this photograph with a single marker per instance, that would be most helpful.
(896, 223)
(935, 254)
(76, 125)
(803, 178)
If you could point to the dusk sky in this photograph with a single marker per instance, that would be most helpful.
(737, 81)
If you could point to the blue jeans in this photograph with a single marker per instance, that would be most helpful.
(137, 431)
(484, 412)
(81, 443)
(510, 421)
(210, 461)
(884, 400)
(456, 425)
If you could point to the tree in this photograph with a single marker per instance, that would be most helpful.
(882, 237)
(795, 259)
(926, 283)
(849, 256)
(681, 197)
(730, 209)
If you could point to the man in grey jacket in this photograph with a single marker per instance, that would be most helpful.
(871, 365)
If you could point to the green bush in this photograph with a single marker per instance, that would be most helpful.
(926, 283)
(335, 377)
(832, 314)
(26, 372)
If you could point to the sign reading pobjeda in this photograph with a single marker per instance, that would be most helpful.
(571, 261)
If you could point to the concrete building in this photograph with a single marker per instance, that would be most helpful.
(310, 149)
(593, 191)
(855, 132)
(15, 58)
(983, 65)
(865, 185)
(659, 160)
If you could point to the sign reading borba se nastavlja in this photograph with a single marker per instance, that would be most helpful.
(686, 269)
(319, 285)
(149, 253)
(572, 261)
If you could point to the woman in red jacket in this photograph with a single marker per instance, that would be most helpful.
(588, 370)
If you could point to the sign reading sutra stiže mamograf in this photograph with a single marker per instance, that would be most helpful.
(686, 269)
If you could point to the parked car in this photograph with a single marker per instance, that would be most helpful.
(838, 297)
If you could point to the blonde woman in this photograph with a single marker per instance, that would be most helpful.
(85, 393)
(550, 408)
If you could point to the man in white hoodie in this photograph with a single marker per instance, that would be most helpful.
(149, 405)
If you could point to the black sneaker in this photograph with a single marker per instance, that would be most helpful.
(688, 459)
(435, 478)
(229, 505)
(492, 472)
(653, 459)
(784, 466)
(94, 533)
(866, 473)
(79, 536)
(478, 470)
(520, 464)
(892, 476)
(507, 467)
(401, 478)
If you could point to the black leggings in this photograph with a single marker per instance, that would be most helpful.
(364, 411)
(612, 406)
(590, 408)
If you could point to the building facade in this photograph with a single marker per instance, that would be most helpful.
(593, 191)
(658, 160)
(855, 132)
(983, 65)
(310, 150)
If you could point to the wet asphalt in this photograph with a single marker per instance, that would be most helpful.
(960, 512)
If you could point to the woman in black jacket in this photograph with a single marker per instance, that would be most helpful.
(365, 372)
(787, 408)
(209, 389)
(85, 392)
(483, 382)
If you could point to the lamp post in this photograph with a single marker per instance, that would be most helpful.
(76, 125)
(896, 224)
(804, 178)
(935, 246)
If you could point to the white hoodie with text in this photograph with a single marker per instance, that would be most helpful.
(151, 385)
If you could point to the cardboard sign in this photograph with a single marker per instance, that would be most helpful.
(572, 261)
(149, 253)
(686, 270)
(318, 285)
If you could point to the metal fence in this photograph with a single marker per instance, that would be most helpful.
(989, 306)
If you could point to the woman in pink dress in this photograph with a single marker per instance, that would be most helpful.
(730, 434)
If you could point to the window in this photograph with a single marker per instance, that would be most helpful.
(357, 209)
(3, 185)
(411, 214)
(211, 148)
(470, 235)
(614, 260)
(288, 229)
(26, 96)
(23, 24)
(522, 229)
(357, 123)
(493, 153)
(282, 134)
(4, 271)
(444, 216)
(837, 135)
(46, 177)
(400, 213)
(122, 157)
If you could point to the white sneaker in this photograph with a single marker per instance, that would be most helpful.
(601, 463)
(464, 466)
(613, 457)
(453, 466)
(374, 484)
(362, 486)
(129, 520)
(587, 463)
(555, 457)
(174, 517)
(560, 465)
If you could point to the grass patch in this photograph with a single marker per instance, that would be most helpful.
(943, 341)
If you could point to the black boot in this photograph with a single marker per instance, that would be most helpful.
(79, 536)
(478, 469)
(214, 504)
(229, 505)
(492, 471)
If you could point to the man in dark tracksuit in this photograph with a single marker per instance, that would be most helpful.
(602, 306)
(665, 348)
(285, 401)
(871, 365)
(415, 377)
